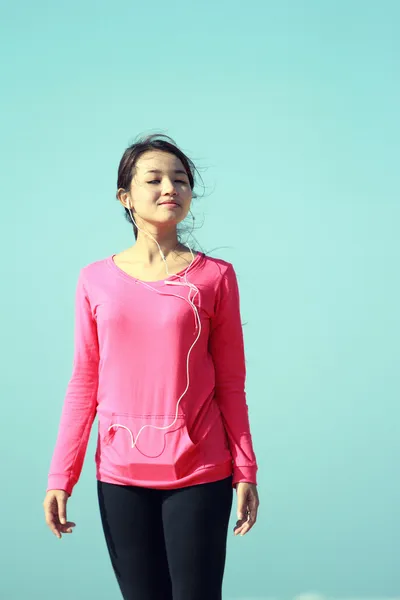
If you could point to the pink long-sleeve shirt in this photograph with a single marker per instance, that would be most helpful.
(130, 368)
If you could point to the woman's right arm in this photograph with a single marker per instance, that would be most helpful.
(79, 408)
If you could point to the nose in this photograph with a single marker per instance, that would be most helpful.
(168, 188)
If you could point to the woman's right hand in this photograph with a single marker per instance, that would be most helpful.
(55, 512)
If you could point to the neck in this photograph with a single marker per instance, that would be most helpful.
(146, 249)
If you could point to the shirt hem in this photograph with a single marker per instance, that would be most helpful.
(204, 475)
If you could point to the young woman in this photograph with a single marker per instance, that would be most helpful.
(159, 358)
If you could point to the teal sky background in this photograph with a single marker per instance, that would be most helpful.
(291, 112)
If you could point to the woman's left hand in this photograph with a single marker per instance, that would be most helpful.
(247, 507)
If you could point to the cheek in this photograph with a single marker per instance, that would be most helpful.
(148, 199)
(187, 197)
(187, 202)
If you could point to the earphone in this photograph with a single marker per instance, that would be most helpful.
(191, 287)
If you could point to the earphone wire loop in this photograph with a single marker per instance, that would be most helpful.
(190, 301)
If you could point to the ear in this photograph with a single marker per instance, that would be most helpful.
(125, 199)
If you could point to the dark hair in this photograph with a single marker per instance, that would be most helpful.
(131, 155)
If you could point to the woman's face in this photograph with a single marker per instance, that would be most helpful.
(160, 177)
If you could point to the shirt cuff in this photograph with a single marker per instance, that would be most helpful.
(245, 475)
(60, 482)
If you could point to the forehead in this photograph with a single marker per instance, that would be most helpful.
(162, 161)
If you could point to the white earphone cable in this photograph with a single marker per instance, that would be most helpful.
(190, 300)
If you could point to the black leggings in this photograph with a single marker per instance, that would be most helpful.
(167, 544)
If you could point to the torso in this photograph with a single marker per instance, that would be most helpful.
(136, 268)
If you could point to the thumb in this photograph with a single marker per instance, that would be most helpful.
(62, 512)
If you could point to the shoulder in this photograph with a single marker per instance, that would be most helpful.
(92, 271)
(213, 260)
(217, 268)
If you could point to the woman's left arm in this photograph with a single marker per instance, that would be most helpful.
(226, 345)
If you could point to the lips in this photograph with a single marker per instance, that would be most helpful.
(170, 203)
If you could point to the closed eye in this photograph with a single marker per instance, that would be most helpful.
(176, 181)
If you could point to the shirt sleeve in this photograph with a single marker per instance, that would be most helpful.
(226, 345)
(80, 403)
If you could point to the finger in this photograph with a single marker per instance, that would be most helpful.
(248, 525)
(241, 511)
(244, 525)
(68, 527)
(51, 517)
(62, 510)
(237, 531)
(239, 526)
(242, 530)
(53, 527)
(51, 521)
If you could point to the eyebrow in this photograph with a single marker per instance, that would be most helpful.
(158, 171)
